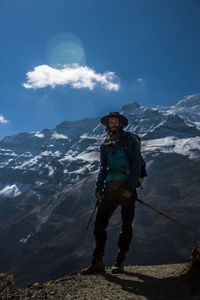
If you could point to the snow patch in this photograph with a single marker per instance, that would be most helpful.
(88, 136)
(98, 125)
(14, 189)
(40, 182)
(39, 135)
(25, 239)
(46, 153)
(188, 147)
(57, 136)
(57, 153)
(88, 156)
(82, 170)
(10, 191)
(51, 170)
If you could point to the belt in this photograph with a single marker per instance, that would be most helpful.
(115, 184)
(125, 170)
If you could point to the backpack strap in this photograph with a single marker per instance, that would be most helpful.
(138, 139)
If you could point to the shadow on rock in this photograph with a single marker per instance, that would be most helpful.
(155, 288)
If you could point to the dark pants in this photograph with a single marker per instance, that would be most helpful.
(113, 198)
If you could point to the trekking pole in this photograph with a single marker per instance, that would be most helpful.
(88, 224)
(159, 212)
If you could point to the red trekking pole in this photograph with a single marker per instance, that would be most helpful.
(88, 224)
(160, 213)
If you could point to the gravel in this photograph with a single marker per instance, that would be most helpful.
(136, 282)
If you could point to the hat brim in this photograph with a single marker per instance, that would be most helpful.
(124, 120)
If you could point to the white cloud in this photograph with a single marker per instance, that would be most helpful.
(139, 79)
(3, 120)
(77, 77)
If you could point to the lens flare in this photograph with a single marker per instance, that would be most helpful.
(65, 49)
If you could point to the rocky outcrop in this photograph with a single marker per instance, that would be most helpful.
(162, 282)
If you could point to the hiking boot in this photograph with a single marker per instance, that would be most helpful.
(119, 262)
(97, 266)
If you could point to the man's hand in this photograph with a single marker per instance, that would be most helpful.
(99, 196)
(126, 193)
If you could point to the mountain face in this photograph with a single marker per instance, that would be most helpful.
(47, 183)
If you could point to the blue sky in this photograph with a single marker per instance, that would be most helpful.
(71, 59)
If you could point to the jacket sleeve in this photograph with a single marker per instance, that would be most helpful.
(135, 160)
(102, 171)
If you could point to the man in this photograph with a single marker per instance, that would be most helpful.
(116, 185)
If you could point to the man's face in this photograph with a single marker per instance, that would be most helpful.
(113, 124)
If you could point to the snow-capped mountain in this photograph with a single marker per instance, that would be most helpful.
(187, 108)
(47, 187)
(72, 148)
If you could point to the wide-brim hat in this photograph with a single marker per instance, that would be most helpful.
(123, 119)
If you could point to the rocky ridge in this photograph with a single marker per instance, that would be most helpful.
(136, 282)
(162, 282)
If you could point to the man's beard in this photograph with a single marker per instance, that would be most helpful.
(114, 130)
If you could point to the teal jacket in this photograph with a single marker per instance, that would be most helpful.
(114, 156)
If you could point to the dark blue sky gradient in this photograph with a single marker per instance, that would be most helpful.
(155, 40)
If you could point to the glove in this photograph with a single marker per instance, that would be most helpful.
(127, 199)
(99, 196)
(126, 193)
